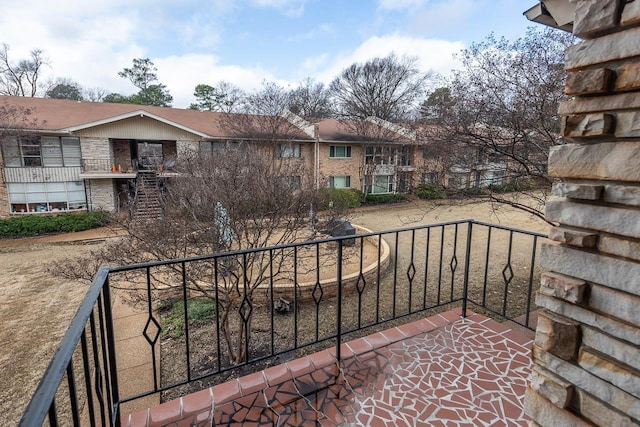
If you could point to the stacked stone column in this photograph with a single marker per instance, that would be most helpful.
(586, 352)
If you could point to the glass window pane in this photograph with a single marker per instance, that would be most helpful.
(71, 151)
(75, 191)
(51, 151)
(59, 196)
(36, 197)
(32, 161)
(11, 153)
(56, 186)
(17, 197)
(35, 187)
(31, 150)
(75, 186)
(76, 196)
(382, 184)
(341, 181)
(16, 193)
(12, 187)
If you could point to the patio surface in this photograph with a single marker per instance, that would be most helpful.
(439, 371)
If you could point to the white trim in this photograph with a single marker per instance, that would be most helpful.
(305, 126)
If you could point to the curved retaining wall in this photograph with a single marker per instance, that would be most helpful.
(329, 286)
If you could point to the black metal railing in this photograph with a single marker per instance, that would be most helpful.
(325, 289)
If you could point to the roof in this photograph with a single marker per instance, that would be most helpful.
(365, 130)
(66, 115)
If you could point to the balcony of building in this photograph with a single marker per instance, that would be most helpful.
(429, 325)
(127, 157)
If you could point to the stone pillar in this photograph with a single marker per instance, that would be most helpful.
(586, 351)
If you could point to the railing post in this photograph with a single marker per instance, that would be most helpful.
(465, 290)
(111, 343)
(339, 302)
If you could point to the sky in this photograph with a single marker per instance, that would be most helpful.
(246, 42)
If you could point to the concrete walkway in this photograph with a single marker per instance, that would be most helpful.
(134, 355)
(95, 234)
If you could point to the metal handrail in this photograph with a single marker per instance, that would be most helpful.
(93, 322)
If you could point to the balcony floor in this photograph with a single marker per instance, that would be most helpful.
(439, 371)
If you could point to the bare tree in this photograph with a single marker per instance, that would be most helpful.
(310, 100)
(95, 94)
(262, 117)
(502, 107)
(20, 78)
(234, 198)
(388, 88)
(16, 120)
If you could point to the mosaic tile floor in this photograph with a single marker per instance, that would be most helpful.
(463, 374)
(440, 371)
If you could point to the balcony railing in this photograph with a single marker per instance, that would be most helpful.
(491, 267)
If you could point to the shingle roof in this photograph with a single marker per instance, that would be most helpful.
(59, 115)
(348, 131)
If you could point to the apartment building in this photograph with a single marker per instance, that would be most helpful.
(69, 156)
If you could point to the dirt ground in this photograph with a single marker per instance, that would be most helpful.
(36, 307)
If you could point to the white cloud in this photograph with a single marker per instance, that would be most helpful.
(433, 55)
(182, 73)
(90, 42)
(443, 15)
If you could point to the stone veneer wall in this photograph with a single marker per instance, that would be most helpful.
(100, 194)
(586, 351)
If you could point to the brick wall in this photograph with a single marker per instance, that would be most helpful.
(122, 154)
(586, 351)
(341, 166)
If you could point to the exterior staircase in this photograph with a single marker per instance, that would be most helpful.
(146, 203)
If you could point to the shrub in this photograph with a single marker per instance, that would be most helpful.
(32, 225)
(342, 198)
(199, 311)
(430, 191)
(377, 199)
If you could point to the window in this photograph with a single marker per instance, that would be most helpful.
(430, 178)
(406, 153)
(340, 151)
(45, 151)
(293, 182)
(288, 150)
(494, 177)
(212, 146)
(380, 156)
(343, 181)
(380, 184)
(404, 183)
(46, 196)
(458, 180)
